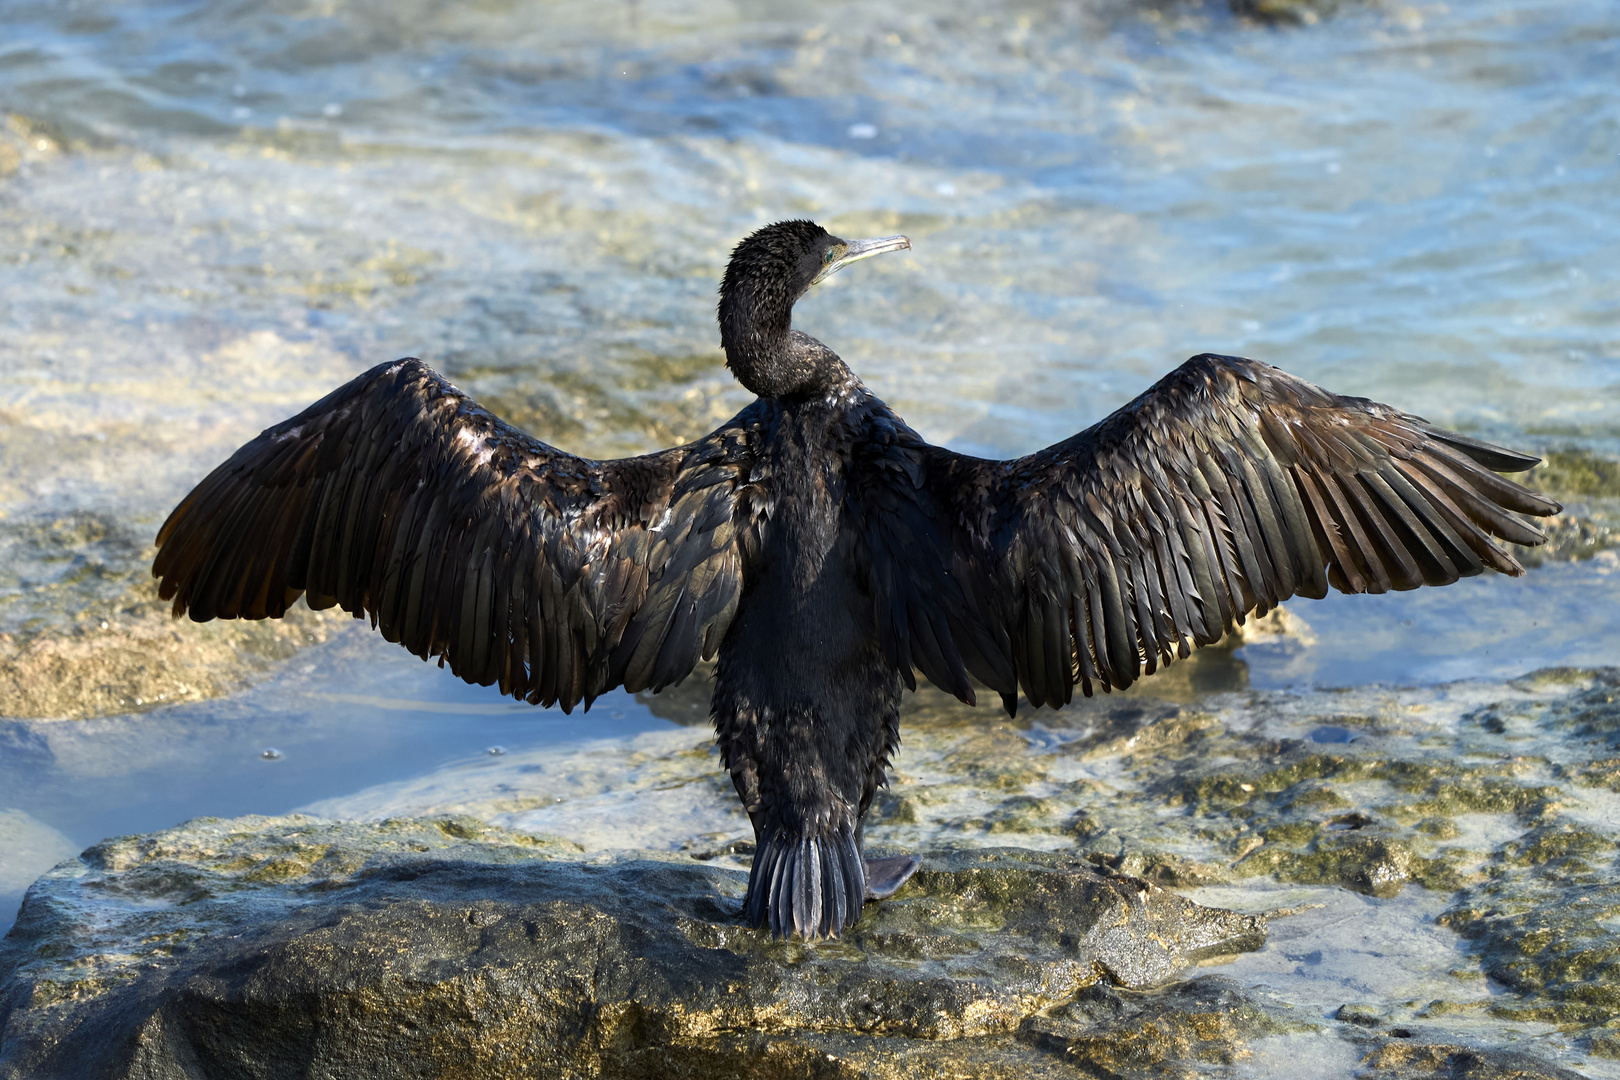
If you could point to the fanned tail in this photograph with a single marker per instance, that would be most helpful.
(810, 886)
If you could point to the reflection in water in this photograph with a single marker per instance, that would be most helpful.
(686, 704)
(1211, 670)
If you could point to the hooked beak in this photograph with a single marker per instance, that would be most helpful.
(862, 249)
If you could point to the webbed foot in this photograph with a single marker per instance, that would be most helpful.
(884, 876)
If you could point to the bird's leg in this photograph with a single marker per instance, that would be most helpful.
(885, 875)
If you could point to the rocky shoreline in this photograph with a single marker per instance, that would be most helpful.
(1436, 868)
(431, 946)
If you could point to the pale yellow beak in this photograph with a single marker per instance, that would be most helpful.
(856, 250)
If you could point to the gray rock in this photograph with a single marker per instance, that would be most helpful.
(297, 946)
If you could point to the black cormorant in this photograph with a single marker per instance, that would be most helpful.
(825, 552)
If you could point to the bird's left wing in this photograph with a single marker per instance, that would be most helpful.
(397, 497)
(1225, 489)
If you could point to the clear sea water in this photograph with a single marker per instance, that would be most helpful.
(212, 213)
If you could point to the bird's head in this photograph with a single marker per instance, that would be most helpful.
(768, 272)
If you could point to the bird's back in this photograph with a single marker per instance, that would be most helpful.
(806, 701)
(807, 614)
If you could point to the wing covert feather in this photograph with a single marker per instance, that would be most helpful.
(400, 499)
(1226, 488)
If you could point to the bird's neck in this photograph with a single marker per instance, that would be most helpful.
(772, 359)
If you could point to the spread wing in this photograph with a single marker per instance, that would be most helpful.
(462, 538)
(1225, 489)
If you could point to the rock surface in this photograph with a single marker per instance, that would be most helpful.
(1448, 853)
(299, 946)
(1437, 865)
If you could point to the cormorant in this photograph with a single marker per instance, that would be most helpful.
(825, 552)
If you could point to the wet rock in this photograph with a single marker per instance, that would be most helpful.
(298, 946)
(1362, 1014)
(83, 633)
(1295, 820)
(1171, 871)
(1589, 488)
(1399, 1060)
(1372, 864)
(1583, 531)
(1486, 806)
(1574, 472)
(1541, 916)
(1298, 12)
(1605, 1044)
(1104, 1032)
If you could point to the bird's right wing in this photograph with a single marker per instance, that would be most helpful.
(461, 537)
(1226, 488)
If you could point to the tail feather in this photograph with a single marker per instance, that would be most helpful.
(808, 886)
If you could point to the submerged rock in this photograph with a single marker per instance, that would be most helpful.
(298, 946)
(1403, 1060)
(131, 656)
(1542, 914)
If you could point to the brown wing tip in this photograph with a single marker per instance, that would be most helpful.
(1490, 455)
(1535, 504)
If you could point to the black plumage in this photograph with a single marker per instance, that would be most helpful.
(825, 552)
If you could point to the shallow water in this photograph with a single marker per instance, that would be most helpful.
(210, 214)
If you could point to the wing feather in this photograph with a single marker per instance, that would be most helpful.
(464, 539)
(1225, 489)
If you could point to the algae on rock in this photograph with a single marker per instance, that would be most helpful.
(426, 947)
(1493, 803)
